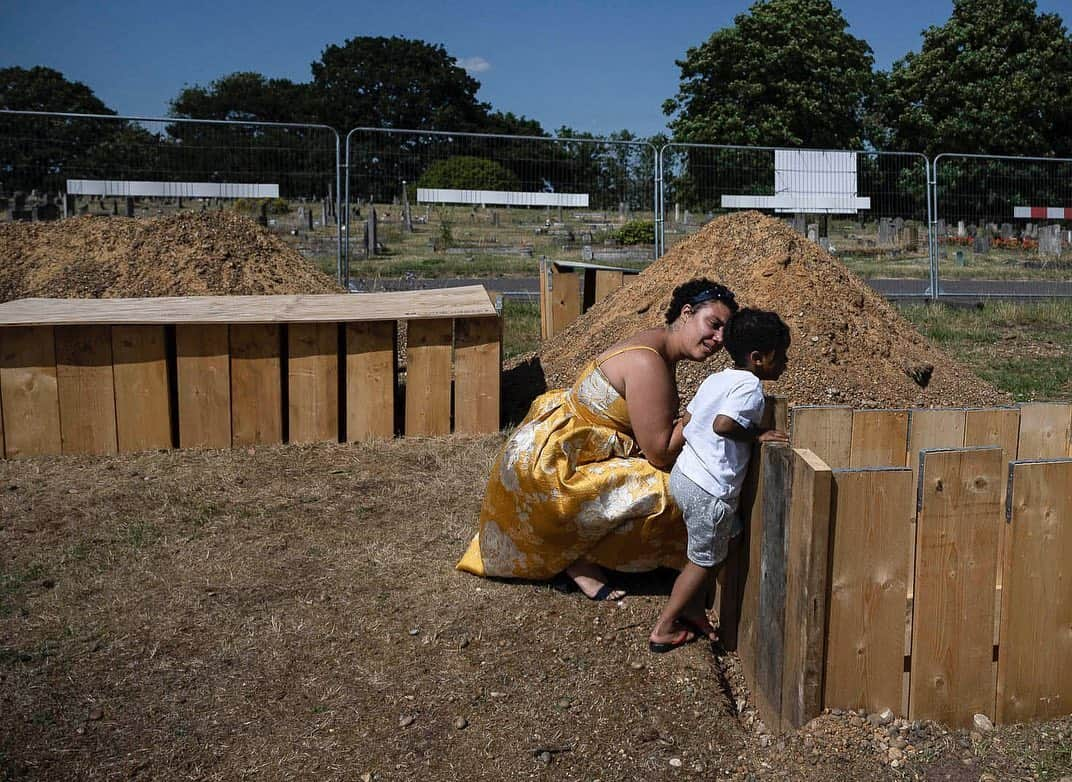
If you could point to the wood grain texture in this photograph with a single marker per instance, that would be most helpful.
(86, 389)
(256, 384)
(607, 282)
(1045, 430)
(879, 438)
(1034, 677)
(477, 373)
(142, 398)
(873, 512)
(807, 563)
(957, 534)
(998, 426)
(313, 382)
(203, 370)
(565, 298)
(825, 431)
(28, 391)
(371, 356)
(428, 370)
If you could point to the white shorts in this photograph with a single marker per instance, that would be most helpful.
(710, 522)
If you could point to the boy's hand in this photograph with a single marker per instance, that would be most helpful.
(772, 436)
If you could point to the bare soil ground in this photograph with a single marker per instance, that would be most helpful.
(293, 613)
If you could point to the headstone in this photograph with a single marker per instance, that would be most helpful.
(981, 244)
(972, 230)
(910, 236)
(800, 224)
(621, 209)
(586, 253)
(370, 237)
(813, 232)
(69, 205)
(495, 217)
(407, 218)
(1006, 230)
(309, 219)
(262, 218)
(898, 224)
(46, 211)
(1030, 231)
(677, 212)
(130, 206)
(180, 202)
(886, 233)
(824, 242)
(19, 212)
(961, 230)
(1049, 241)
(686, 217)
(942, 230)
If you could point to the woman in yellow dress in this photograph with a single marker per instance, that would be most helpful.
(581, 485)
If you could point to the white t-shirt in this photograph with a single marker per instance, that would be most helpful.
(718, 464)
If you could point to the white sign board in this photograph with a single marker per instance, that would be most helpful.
(808, 180)
(436, 195)
(140, 189)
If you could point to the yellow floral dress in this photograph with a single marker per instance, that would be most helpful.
(571, 483)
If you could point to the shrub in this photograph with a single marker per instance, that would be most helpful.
(637, 232)
(273, 206)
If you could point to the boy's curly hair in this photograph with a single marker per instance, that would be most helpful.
(751, 329)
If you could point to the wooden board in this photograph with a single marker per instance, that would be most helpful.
(879, 438)
(1034, 675)
(770, 620)
(86, 389)
(370, 380)
(933, 428)
(428, 367)
(256, 384)
(467, 301)
(28, 391)
(545, 300)
(998, 426)
(204, 386)
(607, 282)
(477, 371)
(313, 382)
(872, 524)
(1045, 430)
(825, 431)
(958, 526)
(565, 298)
(807, 560)
(777, 408)
(142, 398)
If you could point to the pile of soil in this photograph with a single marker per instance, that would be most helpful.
(850, 346)
(188, 254)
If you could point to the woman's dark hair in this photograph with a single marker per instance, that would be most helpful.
(752, 329)
(696, 292)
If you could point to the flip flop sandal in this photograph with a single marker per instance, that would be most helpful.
(662, 647)
(605, 593)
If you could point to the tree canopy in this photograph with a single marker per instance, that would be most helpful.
(786, 73)
(995, 78)
(246, 96)
(45, 89)
(464, 172)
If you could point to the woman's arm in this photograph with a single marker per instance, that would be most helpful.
(652, 400)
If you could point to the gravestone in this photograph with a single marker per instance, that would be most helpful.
(262, 218)
(981, 244)
(687, 217)
(1030, 231)
(898, 224)
(800, 224)
(586, 253)
(130, 206)
(19, 212)
(824, 242)
(910, 237)
(370, 234)
(813, 232)
(942, 231)
(1049, 241)
(1006, 230)
(972, 230)
(677, 212)
(992, 230)
(495, 217)
(961, 230)
(887, 234)
(46, 211)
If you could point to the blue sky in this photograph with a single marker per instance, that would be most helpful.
(595, 66)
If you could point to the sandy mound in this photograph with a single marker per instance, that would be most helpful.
(849, 345)
(191, 254)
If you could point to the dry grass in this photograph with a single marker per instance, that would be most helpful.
(283, 613)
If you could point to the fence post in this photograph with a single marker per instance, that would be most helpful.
(932, 224)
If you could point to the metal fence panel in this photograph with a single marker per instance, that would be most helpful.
(57, 164)
(870, 209)
(496, 203)
(1001, 225)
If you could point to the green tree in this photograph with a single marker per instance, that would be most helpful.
(787, 73)
(995, 78)
(247, 96)
(395, 82)
(469, 173)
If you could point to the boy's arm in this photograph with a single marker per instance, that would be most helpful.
(725, 426)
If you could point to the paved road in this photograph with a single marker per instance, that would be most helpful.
(526, 287)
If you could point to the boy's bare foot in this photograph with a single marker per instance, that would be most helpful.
(590, 579)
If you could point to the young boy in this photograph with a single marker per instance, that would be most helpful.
(721, 425)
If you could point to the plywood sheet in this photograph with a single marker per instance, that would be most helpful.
(807, 558)
(825, 431)
(467, 301)
(370, 380)
(1045, 430)
(998, 426)
(477, 373)
(256, 384)
(933, 428)
(28, 391)
(958, 527)
(428, 369)
(142, 399)
(204, 386)
(873, 510)
(879, 438)
(565, 298)
(313, 382)
(86, 389)
(1034, 677)
(607, 282)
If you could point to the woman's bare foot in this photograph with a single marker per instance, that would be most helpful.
(590, 579)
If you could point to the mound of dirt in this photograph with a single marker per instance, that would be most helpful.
(190, 254)
(849, 345)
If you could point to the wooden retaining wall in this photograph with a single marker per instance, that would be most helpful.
(919, 560)
(116, 375)
(569, 288)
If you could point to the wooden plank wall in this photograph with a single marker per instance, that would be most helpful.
(1034, 677)
(879, 438)
(825, 431)
(107, 389)
(958, 527)
(1045, 431)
